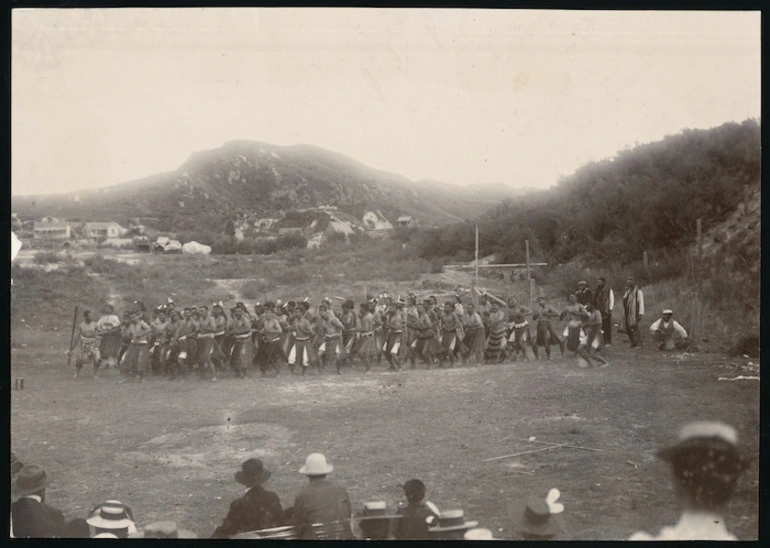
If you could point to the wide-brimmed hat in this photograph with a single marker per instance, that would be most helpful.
(105, 535)
(452, 520)
(111, 514)
(479, 534)
(376, 510)
(667, 311)
(252, 473)
(30, 479)
(162, 529)
(316, 465)
(711, 436)
(582, 282)
(533, 515)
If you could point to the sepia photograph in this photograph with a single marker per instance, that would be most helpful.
(385, 274)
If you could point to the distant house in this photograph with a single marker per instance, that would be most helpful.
(98, 230)
(50, 228)
(292, 226)
(406, 221)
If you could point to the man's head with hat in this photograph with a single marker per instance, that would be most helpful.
(706, 464)
(582, 284)
(31, 480)
(252, 473)
(536, 518)
(114, 517)
(667, 313)
(316, 466)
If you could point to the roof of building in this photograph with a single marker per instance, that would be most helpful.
(101, 225)
(40, 225)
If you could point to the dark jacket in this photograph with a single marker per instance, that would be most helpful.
(585, 296)
(33, 519)
(325, 502)
(257, 509)
(412, 526)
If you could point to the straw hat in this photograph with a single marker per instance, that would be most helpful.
(30, 479)
(376, 510)
(479, 534)
(316, 465)
(452, 520)
(252, 473)
(105, 535)
(113, 514)
(711, 436)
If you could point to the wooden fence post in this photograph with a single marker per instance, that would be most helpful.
(532, 292)
(646, 263)
(529, 275)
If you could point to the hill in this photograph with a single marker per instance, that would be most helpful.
(263, 180)
(643, 199)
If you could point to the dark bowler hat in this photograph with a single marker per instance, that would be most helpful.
(252, 473)
(31, 479)
(533, 516)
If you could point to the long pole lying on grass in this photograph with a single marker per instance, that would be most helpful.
(523, 453)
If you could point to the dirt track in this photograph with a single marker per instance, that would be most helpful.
(169, 450)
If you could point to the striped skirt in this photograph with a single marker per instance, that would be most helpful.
(496, 341)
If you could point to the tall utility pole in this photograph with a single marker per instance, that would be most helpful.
(476, 265)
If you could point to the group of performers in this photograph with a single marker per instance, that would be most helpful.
(207, 341)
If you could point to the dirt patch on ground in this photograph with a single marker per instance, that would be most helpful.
(170, 449)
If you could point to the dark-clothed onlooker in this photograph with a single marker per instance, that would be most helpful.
(604, 302)
(257, 509)
(413, 524)
(32, 517)
(322, 502)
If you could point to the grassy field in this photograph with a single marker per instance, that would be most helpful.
(169, 450)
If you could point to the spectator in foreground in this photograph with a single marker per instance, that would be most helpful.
(535, 518)
(31, 516)
(257, 509)
(668, 333)
(706, 465)
(113, 517)
(322, 501)
(413, 524)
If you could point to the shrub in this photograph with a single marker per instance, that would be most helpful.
(46, 257)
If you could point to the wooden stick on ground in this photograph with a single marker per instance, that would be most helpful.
(522, 453)
(570, 446)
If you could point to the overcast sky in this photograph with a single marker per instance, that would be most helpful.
(101, 97)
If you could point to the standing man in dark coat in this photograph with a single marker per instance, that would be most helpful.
(604, 302)
(32, 517)
(323, 502)
(257, 509)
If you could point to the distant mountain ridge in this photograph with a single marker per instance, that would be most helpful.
(260, 179)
